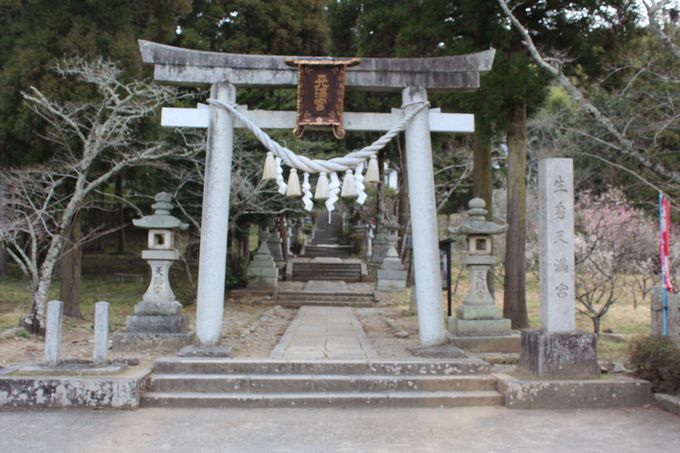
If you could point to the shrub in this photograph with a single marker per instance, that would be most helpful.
(237, 272)
(657, 359)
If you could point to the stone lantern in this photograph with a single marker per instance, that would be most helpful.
(478, 316)
(158, 320)
(161, 254)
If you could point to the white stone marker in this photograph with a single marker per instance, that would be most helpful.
(556, 245)
(215, 219)
(423, 221)
(101, 334)
(55, 315)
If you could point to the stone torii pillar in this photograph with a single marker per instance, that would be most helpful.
(215, 219)
(224, 72)
(423, 221)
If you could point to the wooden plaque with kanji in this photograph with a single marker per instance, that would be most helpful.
(321, 93)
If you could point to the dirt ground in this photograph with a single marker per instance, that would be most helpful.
(252, 328)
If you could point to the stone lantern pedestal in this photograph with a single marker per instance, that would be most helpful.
(158, 322)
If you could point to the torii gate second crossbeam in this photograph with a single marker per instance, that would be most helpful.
(225, 72)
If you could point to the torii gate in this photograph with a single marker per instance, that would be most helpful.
(224, 72)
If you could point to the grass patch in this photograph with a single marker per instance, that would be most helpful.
(98, 283)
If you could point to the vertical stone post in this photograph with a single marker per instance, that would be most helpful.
(423, 221)
(55, 315)
(558, 350)
(556, 244)
(215, 219)
(101, 334)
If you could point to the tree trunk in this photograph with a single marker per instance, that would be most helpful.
(3, 254)
(596, 325)
(380, 211)
(120, 214)
(244, 241)
(404, 206)
(69, 270)
(514, 299)
(3, 261)
(283, 232)
(482, 178)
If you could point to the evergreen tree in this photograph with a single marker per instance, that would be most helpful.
(37, 34)
(514, 88)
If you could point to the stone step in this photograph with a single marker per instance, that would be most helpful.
(326, 272)
(344, 277)
(332, 251)
(424, 367)
(314, 295)
(292, 303)
(319, 270)
(299, 298)
(297, 383)
(326, 267)
(321, 399)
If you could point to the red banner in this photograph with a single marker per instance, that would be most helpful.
(664, 241)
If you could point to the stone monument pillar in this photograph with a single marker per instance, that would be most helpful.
(158, 321)
(557, 349)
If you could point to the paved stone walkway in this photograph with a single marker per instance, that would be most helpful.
(328, 430)
(324, 333)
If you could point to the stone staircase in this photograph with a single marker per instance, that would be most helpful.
(327, 236)
(327, 233)
(328, 251)
(303, 269)
(294, 299)
(200, 382)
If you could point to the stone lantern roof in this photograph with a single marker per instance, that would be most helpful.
(161, 218)
(477, 223)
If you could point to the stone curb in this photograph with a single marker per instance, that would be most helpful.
(669, 403)
(574, 394)
(95, 391)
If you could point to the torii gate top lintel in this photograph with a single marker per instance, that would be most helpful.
(177, 65)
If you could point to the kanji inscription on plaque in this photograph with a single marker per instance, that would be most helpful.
(321, 93)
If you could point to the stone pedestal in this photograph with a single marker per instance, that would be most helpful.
(158, 322)
(391, 275)
(478, 316)
(262, 270)
(559, 354)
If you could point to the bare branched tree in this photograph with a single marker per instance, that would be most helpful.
(452, 169)
(657, 12)
(633, 129)
(97, 140)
